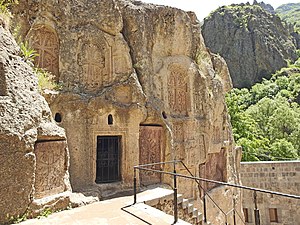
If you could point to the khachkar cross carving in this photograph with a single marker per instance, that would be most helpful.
(97, 65)
(45, 42)
(150, 152)
(50, 168)
(178, 88)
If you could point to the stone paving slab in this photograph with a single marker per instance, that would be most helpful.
(118, 211)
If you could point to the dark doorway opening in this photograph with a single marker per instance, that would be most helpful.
(108, 159)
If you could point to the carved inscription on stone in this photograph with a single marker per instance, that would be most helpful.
(50, 168)
(150, 151)
(215, 168)
(97, 64)
(178, 90)
(3, 90)
(45, 42)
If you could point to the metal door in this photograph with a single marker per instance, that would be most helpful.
(108, 159)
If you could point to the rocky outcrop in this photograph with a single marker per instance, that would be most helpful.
(253, 42)
(269, 8)
(138, 78)
(290, 13)
(34, 157)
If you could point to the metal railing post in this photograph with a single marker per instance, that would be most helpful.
(234, 206)
(175, 196)
(234, 221)
(206, 194)
(134, 185)
(256, 210)
(204, 207)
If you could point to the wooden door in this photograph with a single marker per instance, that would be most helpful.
(150, 152)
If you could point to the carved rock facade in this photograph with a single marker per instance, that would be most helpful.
(34, 157)
(139, 79)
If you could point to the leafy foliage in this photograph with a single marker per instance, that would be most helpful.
(46, 80)
(266, 118)
(6, 4)
(28, 54)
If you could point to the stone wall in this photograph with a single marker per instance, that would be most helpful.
(138, 72)
(275, 176)
(34, 156)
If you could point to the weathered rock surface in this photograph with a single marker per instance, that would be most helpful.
(253, 42)
(141, 82)
(269, 8)
(34, 156)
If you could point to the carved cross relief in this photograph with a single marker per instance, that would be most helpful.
(97, 65)
(50, 168)
(45, 42)
(150, 151)
(178, 91)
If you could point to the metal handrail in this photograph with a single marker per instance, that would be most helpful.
(174, 162)
(197, 179)
(205, 193)
(223, 183)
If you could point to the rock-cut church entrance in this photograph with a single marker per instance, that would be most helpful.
(108, 159)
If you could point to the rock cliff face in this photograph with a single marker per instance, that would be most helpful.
(34, 156)
(253, 42)
(290, 13)
(138, 79)
(269, 8)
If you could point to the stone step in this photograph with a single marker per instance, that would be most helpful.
(161, 195)
(207, 223)
(179, 198)
(190, 207)
(185, 203)
(199, 217)
(152, 197)
(147, 212)
(195, 212)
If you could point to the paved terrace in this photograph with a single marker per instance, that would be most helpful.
(117, 211)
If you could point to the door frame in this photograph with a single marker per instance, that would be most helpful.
(118, 140)
(93, 154)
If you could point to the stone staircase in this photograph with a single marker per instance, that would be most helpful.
(186, 209)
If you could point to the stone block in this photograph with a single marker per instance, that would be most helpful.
(51, 161)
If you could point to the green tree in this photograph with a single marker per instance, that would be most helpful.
(282, 149)
(266, 118)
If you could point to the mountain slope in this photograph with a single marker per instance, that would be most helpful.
(253, 42)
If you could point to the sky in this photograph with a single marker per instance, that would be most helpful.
(203, 7)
